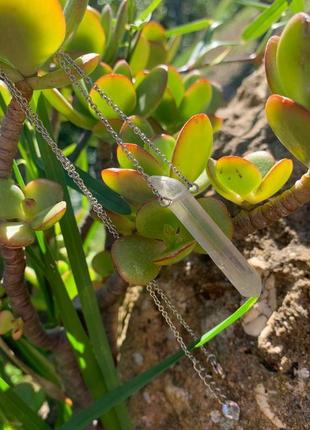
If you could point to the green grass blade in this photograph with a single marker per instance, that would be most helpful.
(88, 300)
(14, 407)
(201, 24)
(149, 10)
(263, 22)
(81, 419)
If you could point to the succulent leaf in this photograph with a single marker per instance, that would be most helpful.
(133, 257)
(274, 180)
(128, 135)
(6, 322)
(59, 79)
(263, 160)
(140, 55)
(15, 234)
(128, 183)
(102, 264)
(217, 185)
(293, 59)
(193, 147)
(61, 104)
(291, 124)
(11, 200)
(123, 68)
(31, 33)
(44, 192)
(120, 89)
(238, 175)
(152, 220)
(90, 36)
(271, 67)
(166, 145)
(150, 90)
(149, 164)
(74, 11)
(196, 99)
(45, 219)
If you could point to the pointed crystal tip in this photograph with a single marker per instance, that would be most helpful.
(231, 410)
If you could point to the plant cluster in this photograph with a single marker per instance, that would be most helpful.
(69, 261)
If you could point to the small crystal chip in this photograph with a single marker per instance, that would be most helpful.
(231, 410)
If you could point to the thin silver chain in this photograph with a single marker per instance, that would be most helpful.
(68, 64)
(210, 384)
(217, 368)
(152, 287)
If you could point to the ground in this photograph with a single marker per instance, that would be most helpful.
(267, 374)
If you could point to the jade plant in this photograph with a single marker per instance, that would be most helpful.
(63, 275)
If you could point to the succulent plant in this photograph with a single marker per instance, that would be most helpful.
(251, 179)
(153, 235)
(37, 207)
(287, 63)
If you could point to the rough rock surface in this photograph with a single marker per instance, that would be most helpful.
(268, 375)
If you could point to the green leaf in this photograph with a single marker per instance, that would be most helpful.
(149, 10)
(264, 21)
(6, 322)
(140, 55)
(133, 257)
(107, 22)
(273, 181)
(152, 221)
(191, 27)
(291, 124)
(129, 183)
(158, 55)
(44, 192)
(118, 32)
(193, 147)
(238, 175)
(120, 89)
(109, 199)
(123, 68)
(151, 90)
(90, 36)
(166, 145)
(59, 78)
(175, 84)
(13, 197)
(293, 59)
(263, 160)
(61, 104)
(45, 219)
(217, 185)
(81, 419)
(118, 418)
(297, 5)
(15, 234)
(128, 135)
(196, 99)
(74, 11)
(271, 67)
(15, 408)
(149, 164)
(30, 34)
(102, 264)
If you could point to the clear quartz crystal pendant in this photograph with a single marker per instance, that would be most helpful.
(231, 410)
(207, 233)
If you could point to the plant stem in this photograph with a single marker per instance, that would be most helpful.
(11, 128)
(279, 207)
(13, 281)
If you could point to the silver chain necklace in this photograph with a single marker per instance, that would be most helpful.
(229, 408)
